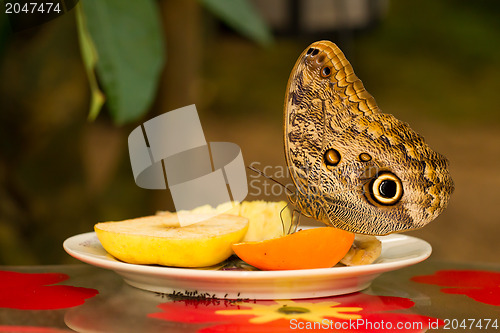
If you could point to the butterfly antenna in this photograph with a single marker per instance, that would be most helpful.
(270, 178)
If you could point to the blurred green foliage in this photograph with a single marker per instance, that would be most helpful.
(89, 55)
(240, 15)
(127, 37)
(122, 41)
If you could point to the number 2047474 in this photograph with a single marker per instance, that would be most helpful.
(32, 7)
(471, 324)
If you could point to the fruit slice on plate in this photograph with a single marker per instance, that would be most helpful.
(160, 240)
(364, 251)
(321, 247)
(267, 219)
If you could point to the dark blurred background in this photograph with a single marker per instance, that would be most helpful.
(433, 64)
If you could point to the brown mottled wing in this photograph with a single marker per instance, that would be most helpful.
(307, 99)
(329, 116)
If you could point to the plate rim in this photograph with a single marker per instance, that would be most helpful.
(375, 268)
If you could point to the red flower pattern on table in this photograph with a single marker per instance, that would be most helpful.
(349, 313)
(481, 286)
(36, 291)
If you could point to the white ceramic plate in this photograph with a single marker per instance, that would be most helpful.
(397, 251)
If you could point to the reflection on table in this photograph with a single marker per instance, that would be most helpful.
(430, 296)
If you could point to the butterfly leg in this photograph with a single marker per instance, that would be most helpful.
(294, 224)
(282, 219)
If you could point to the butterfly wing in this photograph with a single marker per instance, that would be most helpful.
(354, 167)
(309, 96)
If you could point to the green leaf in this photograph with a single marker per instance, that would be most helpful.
(130, 53)
(89, 56)
(241, 16)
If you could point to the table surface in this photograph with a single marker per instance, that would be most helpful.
(429, 295)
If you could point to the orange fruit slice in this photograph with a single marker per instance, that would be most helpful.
(311, 248)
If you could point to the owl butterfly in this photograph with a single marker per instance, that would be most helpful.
(354, 167)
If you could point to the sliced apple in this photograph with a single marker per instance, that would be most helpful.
(160, 240)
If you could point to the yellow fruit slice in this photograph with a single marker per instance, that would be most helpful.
(267, 219)
(160, 240)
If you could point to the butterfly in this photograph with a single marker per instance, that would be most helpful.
(354, 167)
